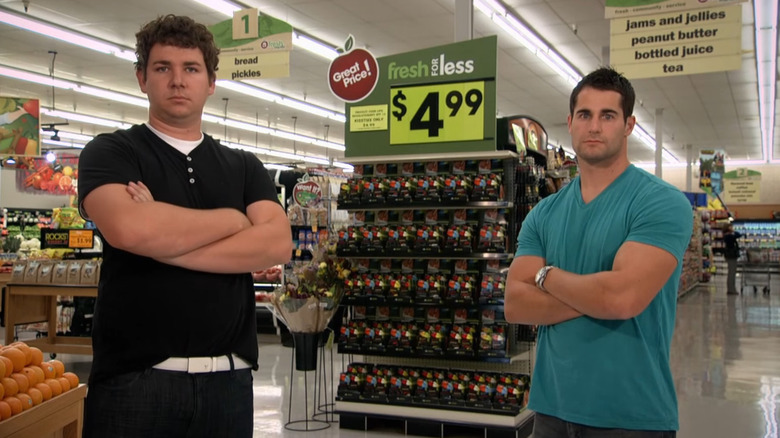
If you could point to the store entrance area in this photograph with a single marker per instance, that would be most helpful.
(725, 360)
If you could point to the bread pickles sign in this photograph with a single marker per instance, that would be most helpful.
(440, 99)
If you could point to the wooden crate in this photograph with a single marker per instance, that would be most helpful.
(60, 417)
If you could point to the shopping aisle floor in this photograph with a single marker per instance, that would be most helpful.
(725, 360)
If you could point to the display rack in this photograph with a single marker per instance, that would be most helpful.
(692, 264)
(442, 274)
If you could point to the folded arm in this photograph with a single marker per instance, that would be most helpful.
(638, 274)
(157, 229)
(525, 303)
(266, 243)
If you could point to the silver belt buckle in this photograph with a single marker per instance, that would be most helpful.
(201, 364)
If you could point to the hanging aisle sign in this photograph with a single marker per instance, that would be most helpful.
(677, 43)
(441, 99)
(253, 46)
(742, 186)
(631, 8)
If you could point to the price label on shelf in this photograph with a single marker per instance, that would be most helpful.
(80, 238)
(437, 113)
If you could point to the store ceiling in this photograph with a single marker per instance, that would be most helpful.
(714, 110)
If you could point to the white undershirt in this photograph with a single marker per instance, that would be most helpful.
(183, 146)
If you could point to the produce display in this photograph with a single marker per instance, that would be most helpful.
(27, 380)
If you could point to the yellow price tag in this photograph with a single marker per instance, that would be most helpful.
(80, 238)
(437, 113)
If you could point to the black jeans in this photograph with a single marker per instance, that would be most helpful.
(546, 426)
(169, 404)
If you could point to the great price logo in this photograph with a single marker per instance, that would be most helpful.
(353, 75)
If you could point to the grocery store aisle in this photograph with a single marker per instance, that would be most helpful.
(726, 362)
(725, 359)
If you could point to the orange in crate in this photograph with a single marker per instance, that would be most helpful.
(5, 410)
(59, 367)
(16, 356)
(45, 391)
(56, 387)
(10, 386)
(26, 400)
(73, 379)
(21, 346)
(35, 395)
(9, 366)
(65, 383)
(22, 381)
(15, 403)
(37, 356)
(48, 370)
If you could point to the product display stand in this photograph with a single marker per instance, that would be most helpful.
(324, 391)
(304, 358)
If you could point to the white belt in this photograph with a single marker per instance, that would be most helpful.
(202, 364)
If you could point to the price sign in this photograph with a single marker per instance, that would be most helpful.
(437, 113)
(80, 238)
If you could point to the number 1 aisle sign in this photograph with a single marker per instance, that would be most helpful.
(437, 113)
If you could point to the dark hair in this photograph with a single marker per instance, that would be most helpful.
(177, 31)
(606, 79)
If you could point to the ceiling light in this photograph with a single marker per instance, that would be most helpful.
(276, 166)
(765, 14)
(64, 144)
(314, 46)
(222, 6)
(528, 38)
(85, 119)
(123, 53)
(65, 35)
(50, 157)
(10, 161)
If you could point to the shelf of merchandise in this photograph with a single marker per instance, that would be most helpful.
(421, 419)
(357, 414)
(692, 264)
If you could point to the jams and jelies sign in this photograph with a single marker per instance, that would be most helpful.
(678, 43)
(353, 75)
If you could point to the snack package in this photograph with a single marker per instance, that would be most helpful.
(74, 272)
(60, 273)
(17, 273)
(31, 273)
(44, 272)
(90, 272)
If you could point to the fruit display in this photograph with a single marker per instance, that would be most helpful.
(55, 178)
(26, 380)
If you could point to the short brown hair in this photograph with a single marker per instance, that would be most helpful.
(606, 79)
(177, 31)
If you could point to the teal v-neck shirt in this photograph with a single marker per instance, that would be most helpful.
(609, 373)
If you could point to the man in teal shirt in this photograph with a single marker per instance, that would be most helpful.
(597, 268)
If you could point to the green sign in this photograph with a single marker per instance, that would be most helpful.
(252, 46)
(441, 99)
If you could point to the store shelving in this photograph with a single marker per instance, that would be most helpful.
(692, 265)
(418, 221)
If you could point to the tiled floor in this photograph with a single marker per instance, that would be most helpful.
(725, 358)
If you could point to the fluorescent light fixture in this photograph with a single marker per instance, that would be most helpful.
(123, 53)
(70, 135)
(499, 15)
(64, 144)
(222, 6)
(314, 46)
(68, 85)
(248, 90)
(765, 14)
(276, 166)
(347, 167)
(52, 31)
(85, 119)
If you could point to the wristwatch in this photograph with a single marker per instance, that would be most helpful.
(541, 276)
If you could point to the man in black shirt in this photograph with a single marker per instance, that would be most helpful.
(185, 220)
(731, 253)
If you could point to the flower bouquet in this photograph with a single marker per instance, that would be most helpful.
(309, 297)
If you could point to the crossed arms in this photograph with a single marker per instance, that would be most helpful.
(222, 240)
(638, 273)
